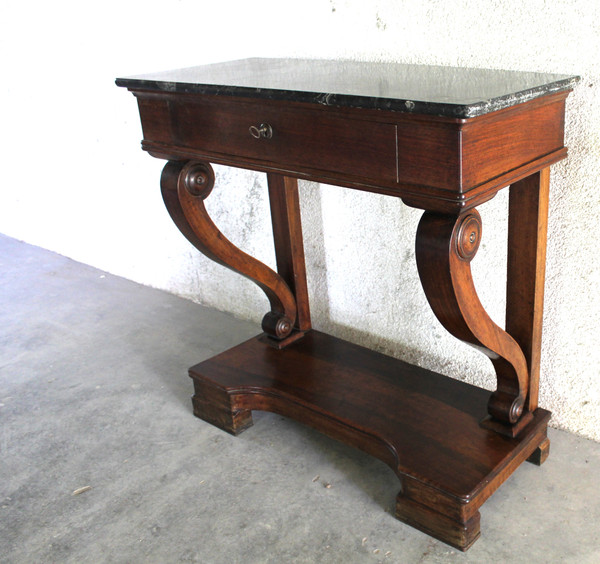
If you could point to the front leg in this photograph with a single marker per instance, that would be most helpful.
(445, 246)
(184, 187)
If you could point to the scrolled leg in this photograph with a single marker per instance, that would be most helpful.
(185, 186)
(445, 246)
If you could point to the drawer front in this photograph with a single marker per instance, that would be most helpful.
(301, 139)
(433, 163)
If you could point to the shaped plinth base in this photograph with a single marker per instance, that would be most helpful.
(425, 426)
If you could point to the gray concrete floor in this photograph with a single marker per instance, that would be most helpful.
(94, 393)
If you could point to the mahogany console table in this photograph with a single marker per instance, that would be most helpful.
(441, 139)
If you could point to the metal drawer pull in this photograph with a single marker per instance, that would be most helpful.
(264, 130)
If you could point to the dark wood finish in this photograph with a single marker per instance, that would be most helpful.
(184, 188)
(541, 453)
(329, 142)
(444, 250)
(423, 425)
(289, 245)
(496, 142)
(434, 163)
(451, 444)
(527, 230)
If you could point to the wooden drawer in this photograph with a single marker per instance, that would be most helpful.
(301, 138)
(428, 161)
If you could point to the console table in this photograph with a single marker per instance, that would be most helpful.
(442, 139)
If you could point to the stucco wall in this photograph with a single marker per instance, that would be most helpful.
(75, 181)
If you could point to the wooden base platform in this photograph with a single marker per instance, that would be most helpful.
(424, 425)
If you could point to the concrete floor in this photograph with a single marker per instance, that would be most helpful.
(94, 393)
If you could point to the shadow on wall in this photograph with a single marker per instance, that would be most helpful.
(363, 283)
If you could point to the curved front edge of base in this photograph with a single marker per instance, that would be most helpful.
(450, 521)
(421, 424)
(231, 411)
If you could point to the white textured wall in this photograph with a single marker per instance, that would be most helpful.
(75, 181)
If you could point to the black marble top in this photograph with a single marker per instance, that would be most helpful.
(434, 90)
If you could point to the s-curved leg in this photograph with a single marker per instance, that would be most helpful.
(185, 186)
(445, 246)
